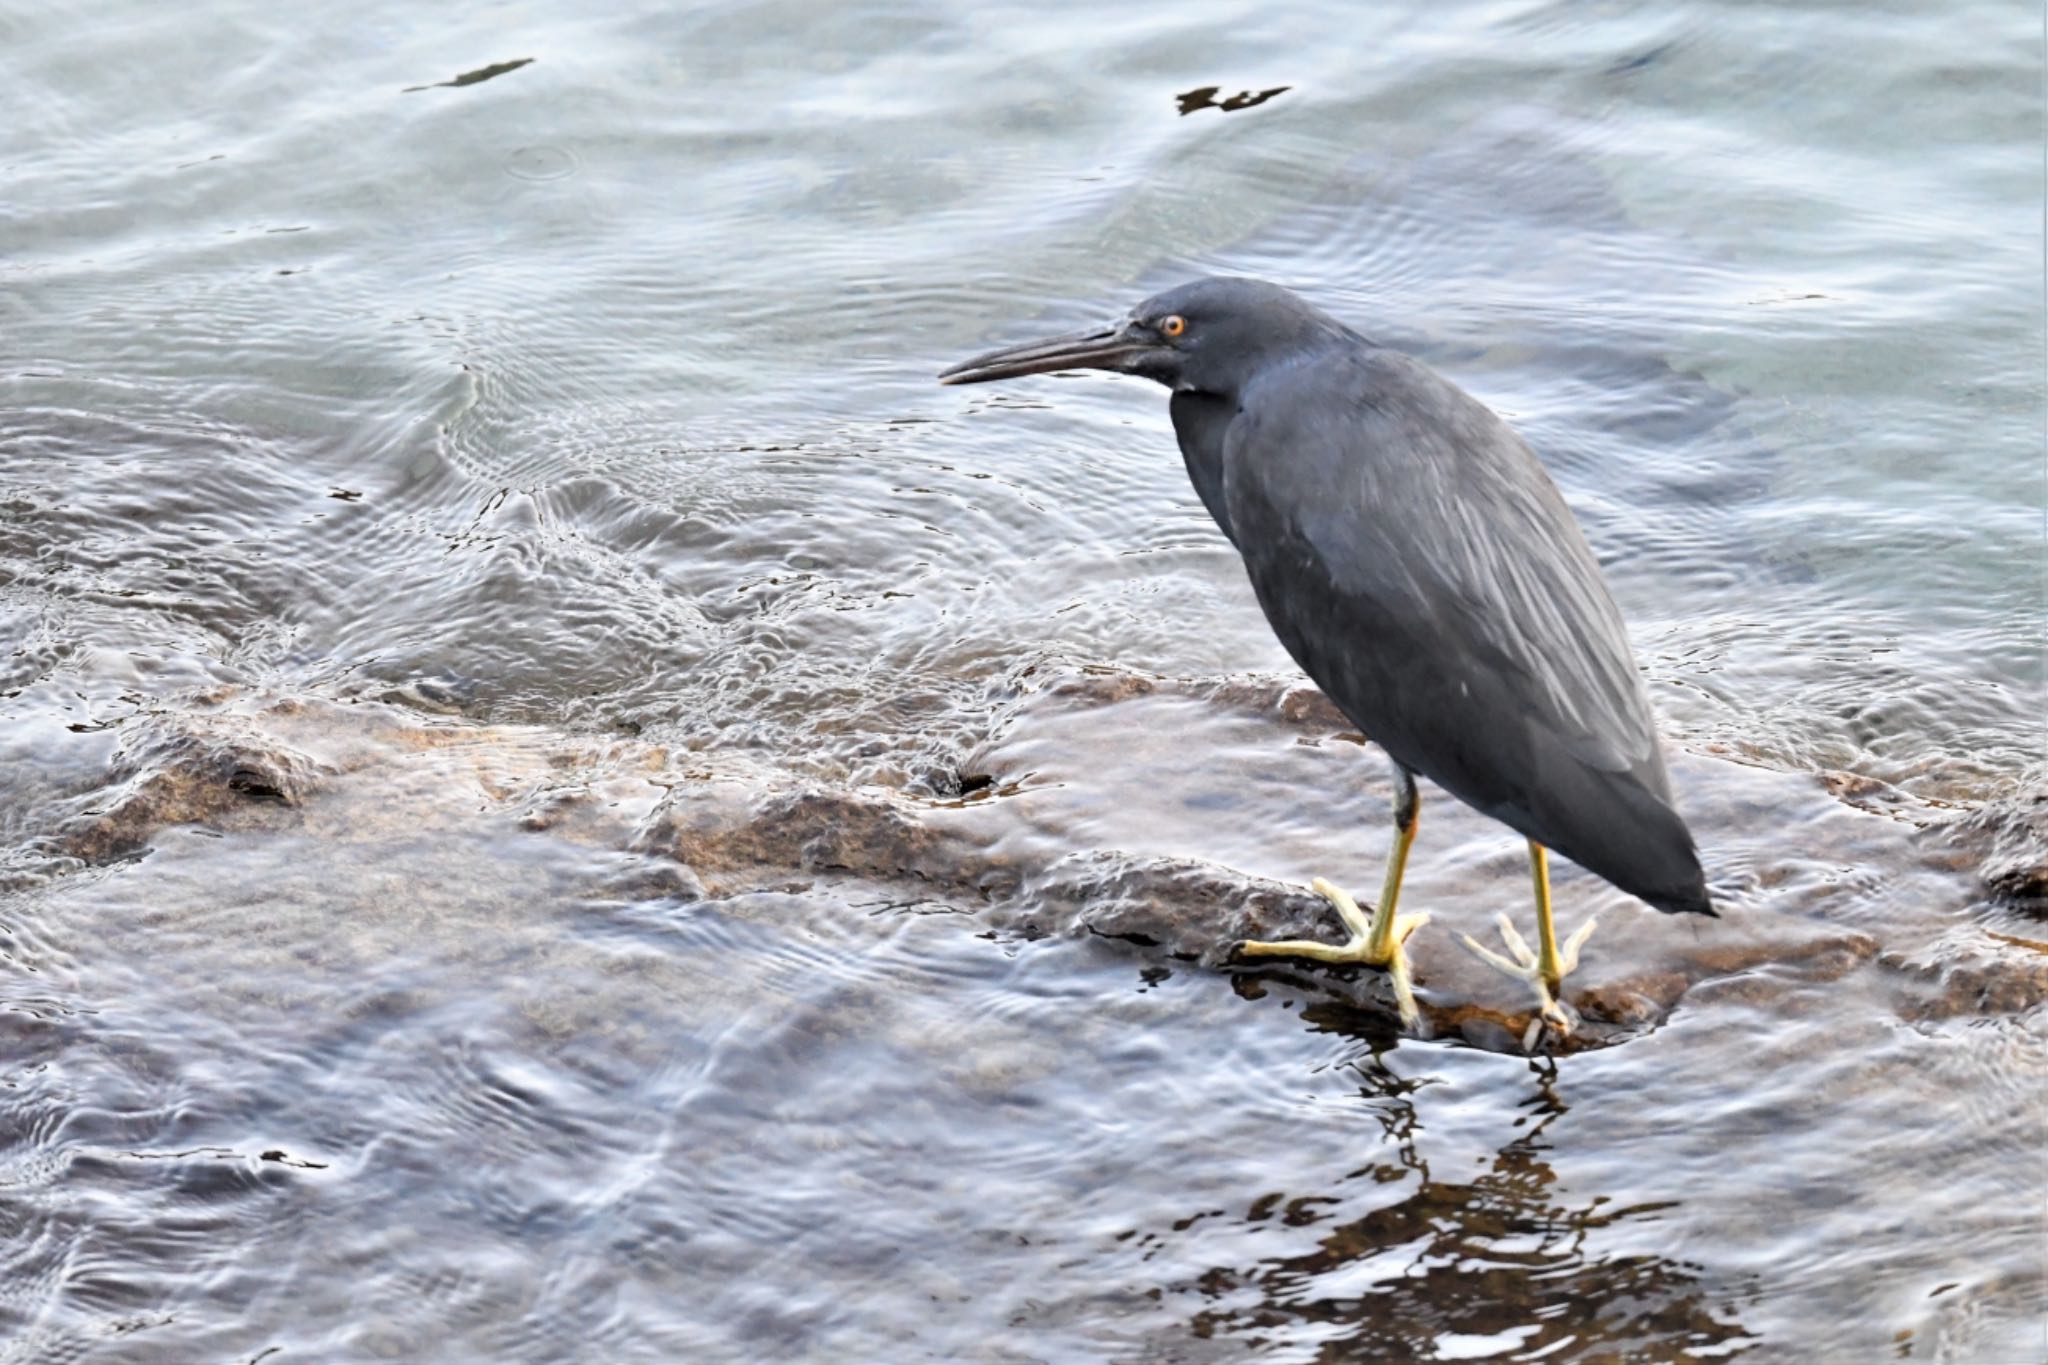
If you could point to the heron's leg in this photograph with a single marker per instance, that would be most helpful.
(1375, 941)
(1546, 967)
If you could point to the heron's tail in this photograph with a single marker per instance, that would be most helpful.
(1622, 827)
(1694, 901)
(1662, 869)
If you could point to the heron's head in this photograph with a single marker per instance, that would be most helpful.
(1209, 335)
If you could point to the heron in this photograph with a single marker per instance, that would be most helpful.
(1416, 560)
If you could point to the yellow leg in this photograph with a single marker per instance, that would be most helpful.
(1376, 942)
(1545, 968)
(1547, 965)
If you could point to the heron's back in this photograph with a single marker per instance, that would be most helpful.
(1419, 564)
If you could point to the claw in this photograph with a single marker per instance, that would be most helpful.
(1527, 965)
(1357, 948)
(1376, 939)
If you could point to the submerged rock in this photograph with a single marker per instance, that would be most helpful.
(1084, 818)
(2006, 840)
(224, 770)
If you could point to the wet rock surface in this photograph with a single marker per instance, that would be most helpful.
(220, 769)
(1815, 885)
(2006, 841)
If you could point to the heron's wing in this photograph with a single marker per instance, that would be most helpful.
(1420, 565)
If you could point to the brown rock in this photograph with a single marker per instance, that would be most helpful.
(218, 770)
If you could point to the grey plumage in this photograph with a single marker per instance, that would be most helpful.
(1415, 558)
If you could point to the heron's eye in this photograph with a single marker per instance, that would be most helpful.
(1172, 326)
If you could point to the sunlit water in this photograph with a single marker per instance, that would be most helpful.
(595, 397)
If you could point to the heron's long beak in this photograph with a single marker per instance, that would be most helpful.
(1107, 348)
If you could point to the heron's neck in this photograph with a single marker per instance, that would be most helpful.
(1200, 421)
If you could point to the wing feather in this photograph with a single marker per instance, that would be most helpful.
(1416, 559)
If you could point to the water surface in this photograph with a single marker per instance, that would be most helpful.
(570, 426)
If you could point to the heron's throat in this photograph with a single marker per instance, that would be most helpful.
(1201, 422)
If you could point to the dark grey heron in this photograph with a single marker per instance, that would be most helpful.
(1415, 558)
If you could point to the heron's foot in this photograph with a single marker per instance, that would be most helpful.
(1527, 965)
(1358, 948)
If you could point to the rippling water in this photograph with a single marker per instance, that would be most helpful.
(581, 411)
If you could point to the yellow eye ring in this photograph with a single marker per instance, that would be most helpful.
(1173, 326)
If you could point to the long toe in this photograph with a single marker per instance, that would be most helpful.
(1355, 919)
(1358, 948)
(1352, 950)
(1554, 1015)
(1404, 990)
(1551, 1010)
(1522, 964)
(1568, 955)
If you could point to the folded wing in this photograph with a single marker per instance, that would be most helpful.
(1418, 562)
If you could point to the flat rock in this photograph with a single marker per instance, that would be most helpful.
(1171, 819)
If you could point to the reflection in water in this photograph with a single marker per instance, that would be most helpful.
(1495, 1267)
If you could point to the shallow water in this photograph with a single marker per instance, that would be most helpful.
(571, 430)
